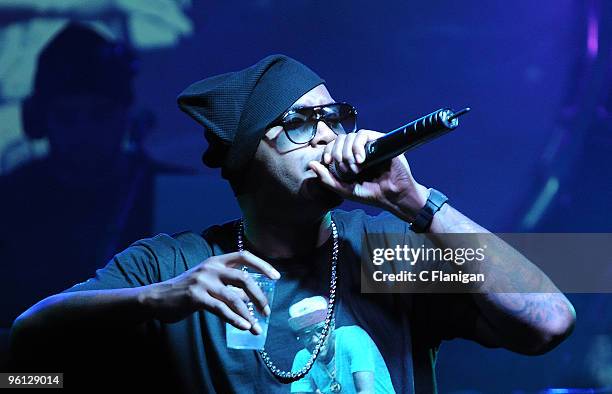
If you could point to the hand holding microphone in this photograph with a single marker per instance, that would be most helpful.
(402, 139)
(369, 167)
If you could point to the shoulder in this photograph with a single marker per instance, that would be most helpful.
(150, 260)
(222, 238)
(186, 245)
(354, 333)
(174, 253)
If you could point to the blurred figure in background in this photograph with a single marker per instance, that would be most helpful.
(26, 26)
(65, 215)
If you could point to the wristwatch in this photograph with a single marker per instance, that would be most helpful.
(424, 217)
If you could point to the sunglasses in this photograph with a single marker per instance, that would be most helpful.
(315, 330)
(300, 124)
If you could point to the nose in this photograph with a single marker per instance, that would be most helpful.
(324, 135)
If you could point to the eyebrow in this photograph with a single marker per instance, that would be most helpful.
(295, 107)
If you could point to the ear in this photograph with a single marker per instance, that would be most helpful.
(33, 118)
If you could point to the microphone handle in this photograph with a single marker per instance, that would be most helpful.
(403, 139)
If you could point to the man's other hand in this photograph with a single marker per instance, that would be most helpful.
(207, 287)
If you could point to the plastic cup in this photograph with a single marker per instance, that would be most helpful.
(241, 339)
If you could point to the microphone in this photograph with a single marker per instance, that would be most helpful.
(403, 139)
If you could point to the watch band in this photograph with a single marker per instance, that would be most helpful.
(424, 217)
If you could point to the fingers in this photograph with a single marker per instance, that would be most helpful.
(328, 179)
(222, 310)
(327, 151)
(215, 285)
(231, 299)
(243, 296)
(362, 137)
(250, 260)
(242, 280)
(348, 150)
(337, 150)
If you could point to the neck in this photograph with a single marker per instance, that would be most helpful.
(327, 359)
(278, 237)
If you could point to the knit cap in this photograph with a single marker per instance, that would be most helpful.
(235, 108)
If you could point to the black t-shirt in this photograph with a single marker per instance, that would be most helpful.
(191, 355)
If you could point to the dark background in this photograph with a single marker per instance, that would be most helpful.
(533, 155)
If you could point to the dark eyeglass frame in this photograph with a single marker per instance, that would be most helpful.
(309, 333)
(318, 328)
(315, 115)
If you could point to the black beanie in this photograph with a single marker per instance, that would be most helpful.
(236, 107)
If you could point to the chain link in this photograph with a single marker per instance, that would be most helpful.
(288, 376)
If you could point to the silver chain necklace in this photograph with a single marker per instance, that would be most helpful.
(334, 385)
(288, 376)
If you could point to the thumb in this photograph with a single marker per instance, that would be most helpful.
(327, 178)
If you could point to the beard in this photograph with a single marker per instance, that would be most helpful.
(294, 189)
(315, 192)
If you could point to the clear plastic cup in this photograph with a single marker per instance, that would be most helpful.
(241, 339)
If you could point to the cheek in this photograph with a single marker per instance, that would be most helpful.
(293, 169)
(284, 172)
(281, 162)
(283, 145)
(282, 167)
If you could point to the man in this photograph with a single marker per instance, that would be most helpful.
(348, 361)
(271, 129)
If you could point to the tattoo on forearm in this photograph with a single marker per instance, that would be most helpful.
(517, 293)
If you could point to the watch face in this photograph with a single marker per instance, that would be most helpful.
(437, 198)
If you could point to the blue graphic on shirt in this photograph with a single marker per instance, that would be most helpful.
(349, 362)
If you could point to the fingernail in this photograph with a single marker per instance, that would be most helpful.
(359, 158)
(276, 275)
(354, 168)
(327, 158)
(257, 328)
(267, 310)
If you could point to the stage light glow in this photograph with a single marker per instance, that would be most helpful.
(592, 35)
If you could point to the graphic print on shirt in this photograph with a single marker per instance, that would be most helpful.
(348, 361)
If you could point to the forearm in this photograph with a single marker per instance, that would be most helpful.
(518, 302)
(519, 306)
(506, 270)
(63, 313)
